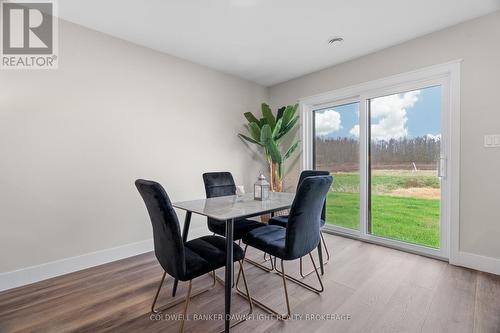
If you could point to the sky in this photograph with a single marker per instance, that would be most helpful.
(411, 114)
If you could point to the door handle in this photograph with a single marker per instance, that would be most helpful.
(442, 167)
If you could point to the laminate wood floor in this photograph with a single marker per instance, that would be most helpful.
(368, 288)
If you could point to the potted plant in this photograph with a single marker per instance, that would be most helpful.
(268, 132)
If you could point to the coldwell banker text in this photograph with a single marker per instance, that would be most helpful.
(29, 34)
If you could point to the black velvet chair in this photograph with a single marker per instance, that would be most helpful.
(182, 260)
(218, 184)
(299, 238)
(283, 219)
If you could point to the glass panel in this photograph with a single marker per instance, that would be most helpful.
(405, 190)
(336, 149)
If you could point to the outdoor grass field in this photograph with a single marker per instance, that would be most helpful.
(405, 204)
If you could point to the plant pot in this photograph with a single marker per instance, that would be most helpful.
(265, 218)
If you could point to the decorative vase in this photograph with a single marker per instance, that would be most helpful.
(276, 185)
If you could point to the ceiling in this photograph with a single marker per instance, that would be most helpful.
(270, 41)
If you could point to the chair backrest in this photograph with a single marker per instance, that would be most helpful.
(302, 232)
(219, 184)
(311, 173)
(169, 247)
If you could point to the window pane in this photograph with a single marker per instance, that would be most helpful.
(405, 132)
(336, 149)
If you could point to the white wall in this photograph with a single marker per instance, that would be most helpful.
(476, 42)
(73, 140)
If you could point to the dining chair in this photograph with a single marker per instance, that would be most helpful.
(218, 184)
(299, 238)
(282, 220)
(184, 261)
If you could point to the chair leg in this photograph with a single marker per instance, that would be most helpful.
(262, 305)
(326, 248)
(324, 262)
(259, 265)
(254, 263)
(177, 301)
(190, 294)
(218, 279)
(286, 290)
(246, 286)
(158, 293)
(184, 313)
(301, 269)
(245, 295)
(317, 274)
(221, 280)
(174, 288)
(305, 285)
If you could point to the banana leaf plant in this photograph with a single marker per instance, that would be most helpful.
(267, 132)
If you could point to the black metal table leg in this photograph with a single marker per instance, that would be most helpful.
(185, 231)
(229, 274)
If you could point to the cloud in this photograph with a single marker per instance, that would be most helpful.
(327, 122)
(388, 115)
(435, 137)
(355, 130)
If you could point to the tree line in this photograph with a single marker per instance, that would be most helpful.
(341, 154)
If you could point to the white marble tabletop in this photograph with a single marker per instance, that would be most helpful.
(231, 207)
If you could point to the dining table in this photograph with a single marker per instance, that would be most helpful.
(229, 209)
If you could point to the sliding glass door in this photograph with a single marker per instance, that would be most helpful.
(404, 153)
(336, 148)
(386, 149)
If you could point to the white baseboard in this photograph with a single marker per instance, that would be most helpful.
(477, 262)
(52, 269)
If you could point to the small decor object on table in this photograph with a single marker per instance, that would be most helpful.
(240, 192)
(261, 188)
